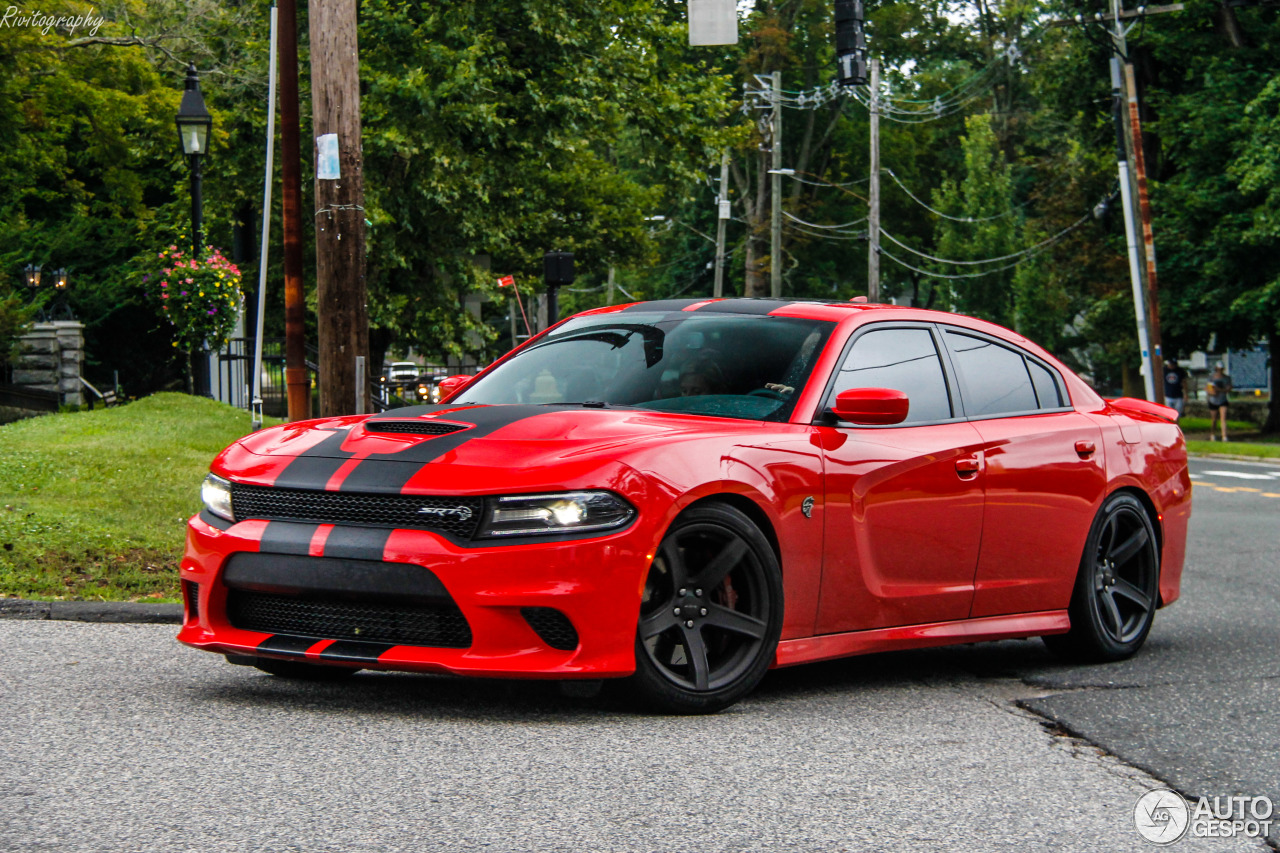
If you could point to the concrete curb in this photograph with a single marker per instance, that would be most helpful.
(91, 611)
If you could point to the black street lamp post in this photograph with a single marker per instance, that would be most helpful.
(31, 275)
(62, 309)
(194, 123)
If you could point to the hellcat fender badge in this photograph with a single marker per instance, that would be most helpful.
(807, 507)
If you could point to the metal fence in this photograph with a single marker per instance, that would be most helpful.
(231, 377)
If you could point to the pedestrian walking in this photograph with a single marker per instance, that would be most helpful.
(1217, 389)
(1175, 386)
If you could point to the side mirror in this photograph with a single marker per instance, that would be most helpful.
(871, 406)
(452, 384)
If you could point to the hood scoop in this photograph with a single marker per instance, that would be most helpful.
(414, 427)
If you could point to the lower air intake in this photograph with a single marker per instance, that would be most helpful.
(552, 626)
(191, 595)
(436, 625)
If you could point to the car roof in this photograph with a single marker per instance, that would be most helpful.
(814, 309)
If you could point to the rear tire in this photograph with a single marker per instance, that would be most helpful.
(711, 613)
(1117, 588)
(304, 671)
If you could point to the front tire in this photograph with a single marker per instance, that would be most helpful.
(711, 613)
(1117, 588)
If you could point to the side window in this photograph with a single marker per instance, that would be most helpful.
(995, 378)
(1046, 386)
(904, 360)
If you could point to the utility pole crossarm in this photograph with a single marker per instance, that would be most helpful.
(1125, 14)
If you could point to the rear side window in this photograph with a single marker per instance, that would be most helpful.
(1046, 384)
(904, 360)
(995, 378)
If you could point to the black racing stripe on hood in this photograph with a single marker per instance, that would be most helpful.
(356, 543)
(284, 644)
(289, 537)
(355, 651)
(407, 412)
(312, 468)
(392, 478)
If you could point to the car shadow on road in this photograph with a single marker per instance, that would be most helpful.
(449, 697)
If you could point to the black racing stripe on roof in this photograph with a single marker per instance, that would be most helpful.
(357, 543)
(355, 651)
(746, 306)
(312, 468)
(285, 644)
(392, 478)
(662, 305)
(288, 537)
(719, 306)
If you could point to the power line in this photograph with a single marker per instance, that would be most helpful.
(906, 265)
(1030, 249)
(903, 187)
(821, 235)
(825, 227)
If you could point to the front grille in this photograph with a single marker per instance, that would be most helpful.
(552, 626)
(414, 427)
(438, 625)
(456, 516)
(191, 593)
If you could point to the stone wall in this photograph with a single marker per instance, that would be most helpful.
(50, 358)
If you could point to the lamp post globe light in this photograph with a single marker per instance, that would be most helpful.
(194, 123)
(31, 275)
(62, 309)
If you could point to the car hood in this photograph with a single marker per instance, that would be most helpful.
(443, 448)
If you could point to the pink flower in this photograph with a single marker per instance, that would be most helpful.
(164, 296)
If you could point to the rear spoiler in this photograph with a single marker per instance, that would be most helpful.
(1145, 407)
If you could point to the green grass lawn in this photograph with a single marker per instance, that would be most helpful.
(93, 504)
(1245, 439)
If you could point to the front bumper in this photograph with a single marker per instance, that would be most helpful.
(595, 583)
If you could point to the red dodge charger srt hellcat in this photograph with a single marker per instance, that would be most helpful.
(683, 494)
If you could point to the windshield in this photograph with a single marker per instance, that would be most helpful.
(727, 365)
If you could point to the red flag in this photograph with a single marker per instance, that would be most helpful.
(507, 281)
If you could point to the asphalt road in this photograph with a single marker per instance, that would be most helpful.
(1200, 705)
(115, 738)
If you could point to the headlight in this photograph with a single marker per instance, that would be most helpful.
(560, 513)
(216, 494)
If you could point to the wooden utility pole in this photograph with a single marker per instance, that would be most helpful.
(342, 314)
(775, 241)
(295, 301)
(1148, 239)
(873, 197)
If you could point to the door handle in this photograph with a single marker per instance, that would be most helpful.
(1084, 449)
(968, 467)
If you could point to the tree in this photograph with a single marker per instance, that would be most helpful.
(981, 224)
(496, 131)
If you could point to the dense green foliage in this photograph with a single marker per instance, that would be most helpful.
(495, 130)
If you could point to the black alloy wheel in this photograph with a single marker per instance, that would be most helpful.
(711, 613)
(1117, 589)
